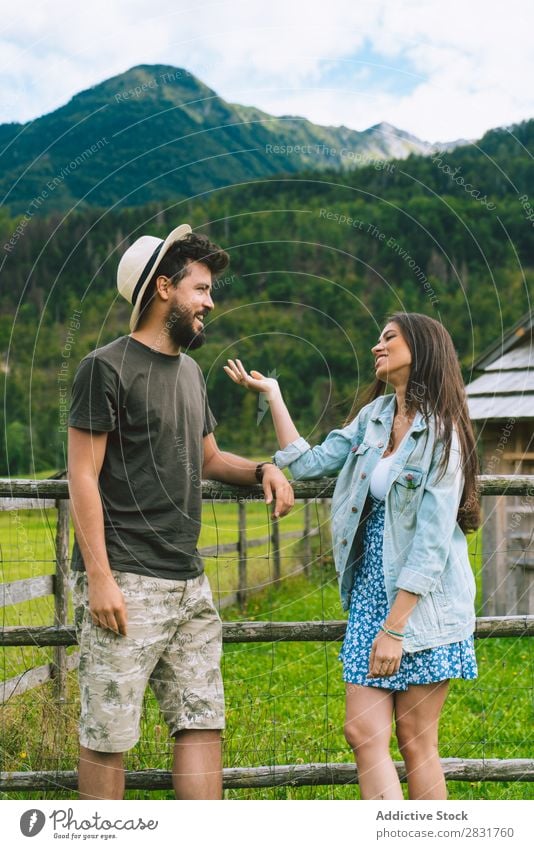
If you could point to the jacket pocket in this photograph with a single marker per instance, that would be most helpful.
(405, 488)
(428, 613)
(410, 478)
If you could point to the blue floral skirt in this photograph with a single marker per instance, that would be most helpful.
(368, 610)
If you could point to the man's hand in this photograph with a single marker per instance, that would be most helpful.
(275, 485)
(106, 605)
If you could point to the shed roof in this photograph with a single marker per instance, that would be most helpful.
(506, 388)
(521, 357)
(501, 407)
(522, 330)
(502, 383)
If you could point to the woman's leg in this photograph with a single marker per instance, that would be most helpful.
(417, 712)
(369, 716)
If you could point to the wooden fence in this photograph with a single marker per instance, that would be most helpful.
(37, 495)
(61, 635)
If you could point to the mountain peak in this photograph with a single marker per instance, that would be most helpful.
(384, 127)
(157, 132)
(153, 77)
(146, 82)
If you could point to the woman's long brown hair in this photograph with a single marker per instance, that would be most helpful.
(435, 388)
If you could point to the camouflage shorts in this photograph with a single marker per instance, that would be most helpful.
(173, 643)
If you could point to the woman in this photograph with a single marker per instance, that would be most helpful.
(404, 498)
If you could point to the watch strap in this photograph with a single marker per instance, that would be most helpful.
(258, 471)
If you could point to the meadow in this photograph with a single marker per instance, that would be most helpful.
(285, 701)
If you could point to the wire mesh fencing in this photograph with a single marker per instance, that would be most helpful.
(276, 589)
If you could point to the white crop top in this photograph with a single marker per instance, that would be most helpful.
(379, 478)
(378, 483)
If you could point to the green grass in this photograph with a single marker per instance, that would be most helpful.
(285, 701)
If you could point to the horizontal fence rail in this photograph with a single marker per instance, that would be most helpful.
(33, 677)
(284, 775)
(265, 632)
(229, 547)
(27, 589)
(214, 490)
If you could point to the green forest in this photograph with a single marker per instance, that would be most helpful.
(318, 261)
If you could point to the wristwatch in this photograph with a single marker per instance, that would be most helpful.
(258, 471)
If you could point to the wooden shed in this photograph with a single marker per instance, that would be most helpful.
(501, 405)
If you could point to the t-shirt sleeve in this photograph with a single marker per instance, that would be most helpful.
(210, 422)
(94, 396)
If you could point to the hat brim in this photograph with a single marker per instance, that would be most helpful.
(174, 236)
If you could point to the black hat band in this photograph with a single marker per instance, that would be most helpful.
(144, 274)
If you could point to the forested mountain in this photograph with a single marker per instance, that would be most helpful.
(319, 259)
(158, 133)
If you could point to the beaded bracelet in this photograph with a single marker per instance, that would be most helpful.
(395, 634)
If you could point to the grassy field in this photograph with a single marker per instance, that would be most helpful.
(285, 701)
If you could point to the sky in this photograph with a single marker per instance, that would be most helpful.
(442, 71)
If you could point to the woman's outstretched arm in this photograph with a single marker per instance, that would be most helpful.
(286, 431)
(295, 452)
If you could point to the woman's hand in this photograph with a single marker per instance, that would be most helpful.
(385, 657)
(286, 431)
(254, 381)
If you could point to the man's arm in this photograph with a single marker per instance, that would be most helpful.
(86, 455)
(229, 468)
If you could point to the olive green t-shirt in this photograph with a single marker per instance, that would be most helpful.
(155, 410)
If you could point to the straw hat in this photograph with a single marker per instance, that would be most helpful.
(138, 264)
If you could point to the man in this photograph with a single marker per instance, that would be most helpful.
(140, 441)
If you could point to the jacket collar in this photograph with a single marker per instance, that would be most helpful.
(386, 411)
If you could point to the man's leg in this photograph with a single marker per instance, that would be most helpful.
(188, 685)
(100, 775)
(113, 674)
(197, 768)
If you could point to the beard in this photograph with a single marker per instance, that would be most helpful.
(181, 332)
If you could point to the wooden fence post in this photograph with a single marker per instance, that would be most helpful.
(61, 596)
(306, 538)
(275, 543)
(323, 515)
(242, 555)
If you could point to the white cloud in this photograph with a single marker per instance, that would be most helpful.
(472, 62)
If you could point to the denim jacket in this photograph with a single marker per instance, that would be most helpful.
(425, 550)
